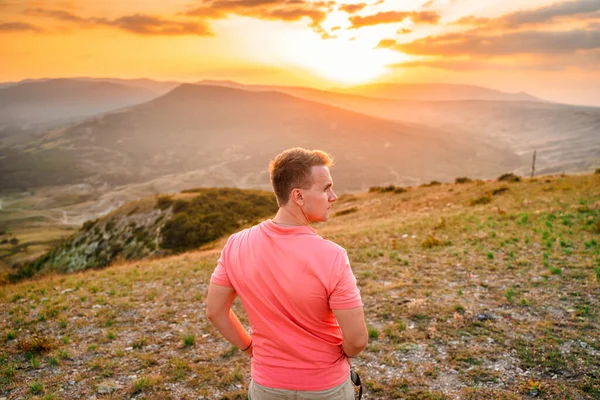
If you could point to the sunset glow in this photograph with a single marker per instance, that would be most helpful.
(502, 45)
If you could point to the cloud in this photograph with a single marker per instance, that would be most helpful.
(352, 8)
(138, 23)
(149, 25)
(542, 15)
(60, 15)
(587, 60)
(527, 42)
(18, 27)
(389, 17)
(288, 10)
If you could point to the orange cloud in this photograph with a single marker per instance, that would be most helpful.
(528, 42)
(18, 27)
(580, 9)
(389, 17)
(138, 23)
(352, 8)
(289, 10)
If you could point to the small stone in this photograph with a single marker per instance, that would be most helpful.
(107, 387)
(96, 306)
(66, 291)
(485, 317)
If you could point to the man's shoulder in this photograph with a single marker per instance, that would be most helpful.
(328, 244)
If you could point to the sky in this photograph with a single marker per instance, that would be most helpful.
(550, 49)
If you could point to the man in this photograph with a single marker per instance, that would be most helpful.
(297, 289)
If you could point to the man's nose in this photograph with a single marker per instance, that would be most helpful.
(333, 197)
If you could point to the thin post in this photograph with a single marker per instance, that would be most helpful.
(533, 165)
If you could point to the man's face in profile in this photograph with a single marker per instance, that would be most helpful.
(320, 197)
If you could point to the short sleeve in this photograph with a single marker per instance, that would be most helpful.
(220, 276)
(344, 293)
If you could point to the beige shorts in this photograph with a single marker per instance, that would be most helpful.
(343, 391)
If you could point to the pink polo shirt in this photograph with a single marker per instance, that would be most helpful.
(289, 279)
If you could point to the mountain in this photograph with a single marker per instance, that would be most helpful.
(566, 137)
(434, 92)
(157, 87)
(214, 136)
(64, 100)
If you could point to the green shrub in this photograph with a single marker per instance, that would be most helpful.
(87, 225)
(180, 205)
(347, 211)
(431, 241)
(432, 183)
(373, 333)
(164, 202)
(481, 200)
(510, 177)
(463, 179)
(382, 189)
(499, 190)
(36, 387)
(35, 344)
(214, 213)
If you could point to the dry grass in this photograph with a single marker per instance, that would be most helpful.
(504, 305)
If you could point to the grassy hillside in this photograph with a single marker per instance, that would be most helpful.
(478, 290)
(153, 226)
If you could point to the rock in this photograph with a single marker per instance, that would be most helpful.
(107, 387)
(485, 317)
(66, 291)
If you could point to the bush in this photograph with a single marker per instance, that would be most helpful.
(432, 183)
(399, 190)
(510, 177)
(212, 214)
(382, 189)
(35, 344)
(14, 241)
(481, 200)
(87, 225)
(164, 202)
(597, 171)
(180, 206)
(431, 241)
(346, 211)
(463, 179)
(500, 190)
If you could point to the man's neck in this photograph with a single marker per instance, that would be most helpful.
(286, 217)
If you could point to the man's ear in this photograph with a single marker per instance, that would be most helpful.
(297, 197)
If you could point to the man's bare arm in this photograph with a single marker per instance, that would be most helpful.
(354, 330)
(220, 314)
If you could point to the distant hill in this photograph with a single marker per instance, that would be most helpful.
(156, 225)
(214, 136)
(157, 87)
(566, 137)
(64, 100)
(434, 92)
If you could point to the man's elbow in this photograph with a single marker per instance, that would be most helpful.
(212, 313)
(360, 343)
(357, 343)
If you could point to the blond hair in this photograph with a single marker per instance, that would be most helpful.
(292, 169)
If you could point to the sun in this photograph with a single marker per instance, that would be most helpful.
(343, 60)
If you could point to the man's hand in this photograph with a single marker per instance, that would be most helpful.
(219, 312)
